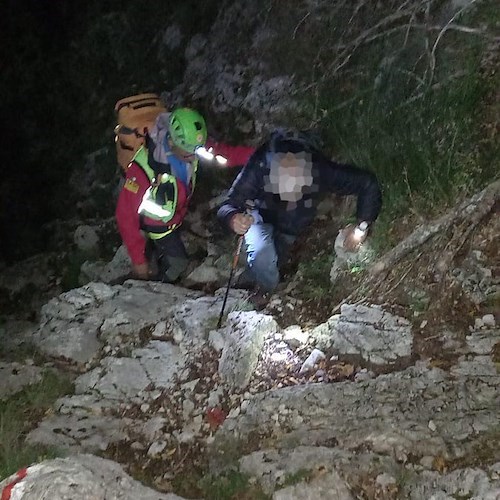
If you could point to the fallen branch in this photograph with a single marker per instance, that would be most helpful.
(472, 209)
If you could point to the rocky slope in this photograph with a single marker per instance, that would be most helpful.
(385, 399)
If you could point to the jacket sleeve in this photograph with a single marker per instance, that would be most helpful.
(127, 216)
(235, 155)
(247, 186)
(350, 180)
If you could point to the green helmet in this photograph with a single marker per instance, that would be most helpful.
(187, 129)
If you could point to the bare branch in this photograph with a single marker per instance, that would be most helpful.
(472, 209)
(299, 24)
(441, 34)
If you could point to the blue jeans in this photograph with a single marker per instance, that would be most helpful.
(267, 249)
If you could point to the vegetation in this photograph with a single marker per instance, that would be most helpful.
(230, 485)
(405, 89)
(18, 415)
(417, 107)
(315, 277)
(390, 85)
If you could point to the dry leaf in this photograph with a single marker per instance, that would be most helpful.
(439, 464)
(346, 370)
(215, 417)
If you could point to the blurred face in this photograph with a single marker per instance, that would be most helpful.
(290, 175)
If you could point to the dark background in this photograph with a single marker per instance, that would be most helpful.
(64, 64)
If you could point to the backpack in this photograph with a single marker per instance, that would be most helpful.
(310, 140)
(135, 115)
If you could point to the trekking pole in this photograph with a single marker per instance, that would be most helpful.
(249, 206)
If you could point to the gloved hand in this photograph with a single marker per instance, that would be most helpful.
(240, 223)
(141, 271)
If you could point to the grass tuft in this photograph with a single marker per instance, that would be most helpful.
(229, 486)
(19, 414)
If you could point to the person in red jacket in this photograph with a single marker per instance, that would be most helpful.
(159, 183)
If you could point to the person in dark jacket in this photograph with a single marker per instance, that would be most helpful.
(286, 179)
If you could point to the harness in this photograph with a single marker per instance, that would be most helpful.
(160, 201)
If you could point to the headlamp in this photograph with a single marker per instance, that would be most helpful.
(207, 154)
(220, 159)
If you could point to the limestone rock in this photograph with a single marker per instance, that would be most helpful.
(80, 477)
(16, 376)
(368, 331)
(245, 336)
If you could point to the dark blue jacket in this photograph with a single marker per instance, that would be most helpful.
(329, 177)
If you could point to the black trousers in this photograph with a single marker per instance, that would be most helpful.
(171, 256)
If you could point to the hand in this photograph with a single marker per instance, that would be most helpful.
(354, 237)
(240, 223)
(141, 271)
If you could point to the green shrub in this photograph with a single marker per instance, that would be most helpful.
(230, 485)
(314, 275)
(415, 105)
(19, 414)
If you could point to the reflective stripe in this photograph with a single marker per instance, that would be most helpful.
(157, 236)
(149, 206)
(163, 187)
(141, 158)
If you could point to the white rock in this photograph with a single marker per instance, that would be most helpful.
(156, 448)
(86, 238)
(385, 480)
(187, 408)
(178, 336)
(478, 323)
(80, 477)
(489, 320)
(189, 386)
(427, 462)
(214, 397)
(234, 412)
(159, 329)
(216, 340)
(315, 356)
(295, 336)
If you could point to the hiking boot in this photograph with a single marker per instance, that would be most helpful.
(259, 299)
(244, 281)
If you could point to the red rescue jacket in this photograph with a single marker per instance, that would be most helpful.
(136, 183)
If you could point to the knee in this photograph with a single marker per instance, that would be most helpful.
(263, 257)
